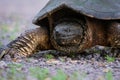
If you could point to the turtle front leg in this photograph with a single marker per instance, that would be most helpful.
(28, 43)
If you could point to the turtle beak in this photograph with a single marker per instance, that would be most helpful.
(68, 34)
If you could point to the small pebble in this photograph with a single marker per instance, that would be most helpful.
(3, 64)
(106, 70)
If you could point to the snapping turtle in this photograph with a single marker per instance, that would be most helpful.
(71, 26)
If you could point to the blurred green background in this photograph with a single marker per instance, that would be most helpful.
(16, 17)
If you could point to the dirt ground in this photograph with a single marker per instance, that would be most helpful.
(16, 17)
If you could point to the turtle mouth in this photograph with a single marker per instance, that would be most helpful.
(68, 35)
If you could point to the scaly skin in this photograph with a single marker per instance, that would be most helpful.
(114, 34)
(29, 42)
(97, 32)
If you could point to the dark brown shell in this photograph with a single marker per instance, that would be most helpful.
(100, 9)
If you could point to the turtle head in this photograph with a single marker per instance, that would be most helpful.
(68, 35)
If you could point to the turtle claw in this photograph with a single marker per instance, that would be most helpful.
(3, 51)
(13, 53)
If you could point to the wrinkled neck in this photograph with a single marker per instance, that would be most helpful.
(96, 33)
(114, 34)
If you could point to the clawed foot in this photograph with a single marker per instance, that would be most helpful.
(9, 54)
(3, 51)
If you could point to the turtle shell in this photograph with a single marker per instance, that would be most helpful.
(99, 9)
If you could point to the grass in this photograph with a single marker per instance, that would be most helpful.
(109, 75)
(78, 76)
(49, 56)
(9, 31)
(10, 28)
(14, 72)
(110, 59)
(60, 76)
(4, 28)
(38, 73)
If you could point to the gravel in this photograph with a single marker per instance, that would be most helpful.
(91, 64)
(89, 68)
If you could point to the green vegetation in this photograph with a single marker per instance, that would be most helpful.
(110, 59)
(78, 76)
(4, 28)
(49, 56)
(12, 73)
(60, 76)
(109, 75)
(40, 74)
(16, 71)
(15, 65)
(9, 32)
